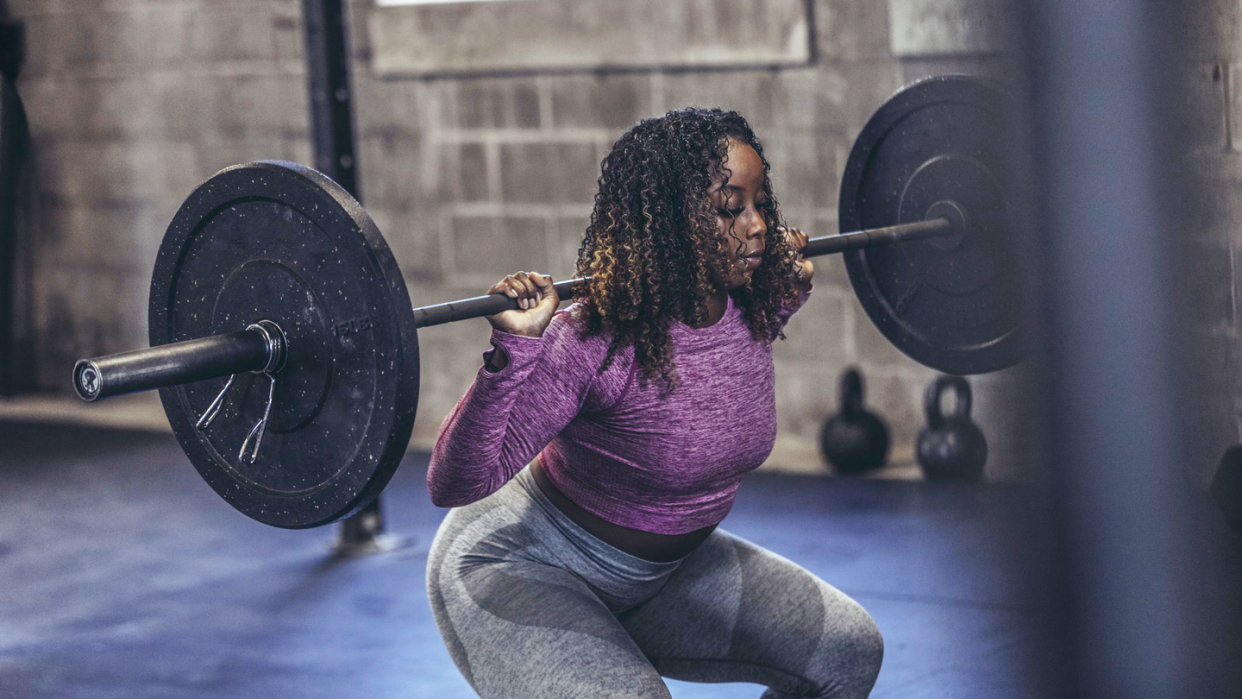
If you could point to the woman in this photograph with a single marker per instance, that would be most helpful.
(599, 567)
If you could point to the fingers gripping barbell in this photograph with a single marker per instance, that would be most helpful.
(272, 278)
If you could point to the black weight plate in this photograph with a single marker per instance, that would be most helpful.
(281, 242)
(951, 304)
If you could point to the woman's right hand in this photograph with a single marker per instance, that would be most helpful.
(537, 302)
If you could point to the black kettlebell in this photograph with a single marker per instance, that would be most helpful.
(950, 448)
(854, 440)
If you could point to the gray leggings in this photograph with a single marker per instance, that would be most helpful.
(530, 605)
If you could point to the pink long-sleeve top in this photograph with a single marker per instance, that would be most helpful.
(628, 453)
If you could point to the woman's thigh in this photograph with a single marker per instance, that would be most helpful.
(517, 626)
(736, 612)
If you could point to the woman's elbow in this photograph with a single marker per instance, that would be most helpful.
(444, 496)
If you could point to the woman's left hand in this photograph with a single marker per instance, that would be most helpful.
(805, 268)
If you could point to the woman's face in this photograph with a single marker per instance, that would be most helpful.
(739, 215)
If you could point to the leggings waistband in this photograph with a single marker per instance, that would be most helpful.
(624, 566)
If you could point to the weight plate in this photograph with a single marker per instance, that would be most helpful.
(278, 241)
(949, 303)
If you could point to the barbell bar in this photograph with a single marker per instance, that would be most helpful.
(260, 347)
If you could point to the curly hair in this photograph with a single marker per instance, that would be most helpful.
(653, 247)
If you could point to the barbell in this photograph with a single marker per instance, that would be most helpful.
(284, 342)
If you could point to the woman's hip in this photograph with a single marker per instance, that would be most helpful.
(517, 526)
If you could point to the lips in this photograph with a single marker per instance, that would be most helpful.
(753, 260)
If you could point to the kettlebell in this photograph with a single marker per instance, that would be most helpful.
(952, 447)
(854, 440)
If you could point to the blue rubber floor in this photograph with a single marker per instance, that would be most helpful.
(123, 575)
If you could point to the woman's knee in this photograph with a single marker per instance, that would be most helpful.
(870, 643)
(861, 651)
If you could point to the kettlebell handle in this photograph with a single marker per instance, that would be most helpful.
(931, 400)
(851, 392)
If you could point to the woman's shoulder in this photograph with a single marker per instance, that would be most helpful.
(569, 343)
(566, 330)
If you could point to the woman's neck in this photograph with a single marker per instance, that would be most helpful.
(716, 306)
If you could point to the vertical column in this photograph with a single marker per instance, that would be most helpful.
(331, 100)
(13, 142)
(332, 141)
(1134, 598)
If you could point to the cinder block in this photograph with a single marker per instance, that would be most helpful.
(161, 173)
(54, 106)
(527, 173)
(830, 271)
(413, 235)
(289, 35)
(1205, 117)
(995, 66)
(497, 103)
(795, 94)
(937, 27)
(1207, 403)
(851, 30)
(412, 106)
(391, 169)
(486, 248)
(252, 107)
(571, 231)
(527, 110)
(1001, 407)
(612, 100)
(358, 14)
(807, 395)
(1204, 282)
(817, 331)
(57, 44)
(898, 398)
(799, 171)
(575, 170)
(473, 172)
(83, 311)
(484, 104)
(748, 93)
(142, 39)
(230, 32)
(1210, 30)
(871, 344)
(215, 154)
(119, 237)
(451, 357)
(849, 94)
(1209, 206)
(150, 106)
(457, 38)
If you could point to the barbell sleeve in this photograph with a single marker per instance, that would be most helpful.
(874, 237)
(172, 364)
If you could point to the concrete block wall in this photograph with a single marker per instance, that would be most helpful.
(131, 105)
(516, 157)
(1208, 258)
(472, 176)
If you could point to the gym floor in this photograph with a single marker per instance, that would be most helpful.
(123, 575)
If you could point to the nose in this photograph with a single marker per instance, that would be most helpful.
(758, 227)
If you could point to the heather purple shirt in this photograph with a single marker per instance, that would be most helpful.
(667, 464)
